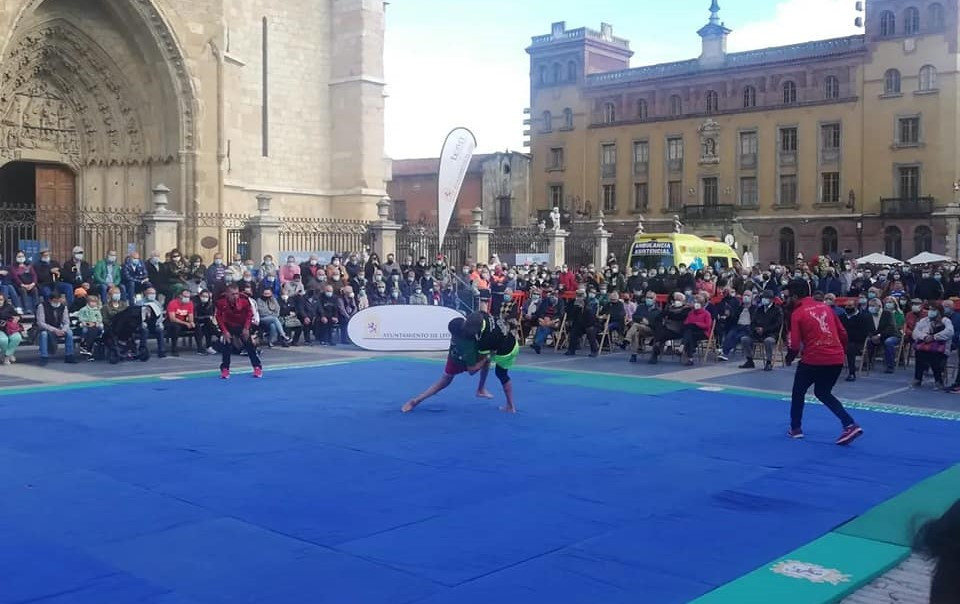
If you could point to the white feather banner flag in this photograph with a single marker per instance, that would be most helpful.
(455, 159)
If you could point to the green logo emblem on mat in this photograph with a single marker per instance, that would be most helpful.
(811, 572)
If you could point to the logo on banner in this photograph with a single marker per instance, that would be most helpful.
(810, 572)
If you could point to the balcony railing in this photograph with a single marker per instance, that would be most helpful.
(711, 212)
(906, 206)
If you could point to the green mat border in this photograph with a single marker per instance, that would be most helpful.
(758, 580)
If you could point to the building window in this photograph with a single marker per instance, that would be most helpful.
(909, 131)
(748, 144)
(831, 88)
(830, 137)
(928, 77)
(891, 82)
(911, 20)
(922, 240)
(610, 198)
(641, 197)
(711, 191)
(830, 187)
(608, 160)
(641, 156)
(748, 192)
(788, 246)
(674, 195)
(888, 24)
(556, 196)
(675, 149)
(788, 189)
(909, 182)
(789, 93)
(572, 71)
(556, 73)
(568, 119)
(713, 101)
(829, 242)
(609, 113)
(892, 242)
(543, 75)
(788, 140)
(641, 109)
(265, 91)
(547, 121)
(398, 207)
(935, 16)
(676, 105)
(556, 158)
(749, 97)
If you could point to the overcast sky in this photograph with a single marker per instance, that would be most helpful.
(462, 62)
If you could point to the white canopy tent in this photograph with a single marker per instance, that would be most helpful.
(928, 258)
(877, 258)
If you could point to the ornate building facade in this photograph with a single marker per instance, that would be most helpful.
(848, 143)
(218, 100)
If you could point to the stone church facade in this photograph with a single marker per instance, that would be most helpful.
(101, 101)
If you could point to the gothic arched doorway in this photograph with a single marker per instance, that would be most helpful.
(38, 209)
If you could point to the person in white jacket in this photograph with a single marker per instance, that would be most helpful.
(931, 343)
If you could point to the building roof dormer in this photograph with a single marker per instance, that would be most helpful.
(714, 37)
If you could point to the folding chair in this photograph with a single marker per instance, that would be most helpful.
(560, 335)
(705, 347)
(604, 337)
(760, 351)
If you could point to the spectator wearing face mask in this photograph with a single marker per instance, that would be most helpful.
(883, 333)
(76, 272)
(178, 273)
(24, 279)
(378, 294)
(133, 273)
(391, 264)
(347, 307)
(582, 319)
(615, 310)
(645, 323)
(328, 317)
(154, 327)
(180, 319)
(308, 310)
(696, 327)
(858, 326)
(198, 274)
(766, 324)
(408, 285)
(547, 318)
(114, 305)
(672, 325)
(952, 314)
(912, 317)
(11, 331)
(928, 288)
(417, 297)
(48, 275)
(616, 281)
(734, 319)
(268, 309)
(510, 310)
(289, 270)
(310, 270)
(271, 282)
(372, 265)
(333, 271)
(53, 322)
(206, 327)
(106, 274)
(931, 342)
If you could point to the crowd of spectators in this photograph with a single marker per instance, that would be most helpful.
(120, 305)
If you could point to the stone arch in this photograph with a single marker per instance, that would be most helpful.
(146, 16)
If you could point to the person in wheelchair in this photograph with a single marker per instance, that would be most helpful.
(125, 335)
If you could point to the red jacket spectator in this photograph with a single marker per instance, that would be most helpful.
(815, 327)
(234, 315)
(568, 281)
(699, 318)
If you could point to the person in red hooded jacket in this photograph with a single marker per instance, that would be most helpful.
(817, 329)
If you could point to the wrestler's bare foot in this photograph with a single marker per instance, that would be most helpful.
(508, 409)
(409, 406)
(484, 394)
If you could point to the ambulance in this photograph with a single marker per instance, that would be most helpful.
(673, 249)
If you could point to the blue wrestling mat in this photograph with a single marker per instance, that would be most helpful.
(310, 487)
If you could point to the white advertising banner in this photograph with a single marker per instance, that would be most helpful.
(402, 328)
(455, 159)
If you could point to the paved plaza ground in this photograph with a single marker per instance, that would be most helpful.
(157, 483)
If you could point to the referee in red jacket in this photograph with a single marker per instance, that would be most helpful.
(816, 329)
(234, 315)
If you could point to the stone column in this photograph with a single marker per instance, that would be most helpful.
(557, 239)
(384, 231)
(601, 240)
(479, 237)
(161, 225)
(264, 231)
